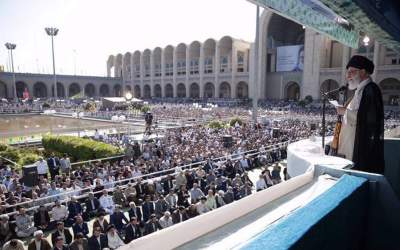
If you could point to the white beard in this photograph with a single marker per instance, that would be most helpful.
(353, 83)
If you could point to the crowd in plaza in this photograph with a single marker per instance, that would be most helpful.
(187, 172)
(152, 203)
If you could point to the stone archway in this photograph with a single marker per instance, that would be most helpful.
(21, 86)
(90, 90)
(104, 90)
(390, 91)
(157, 91)
(181, 90)
(209, 90)
(136, 91)
(39, 90)
(128, 89)
(194, 90)
(3, 90)
(292, 91)
(60, 90)
(242, 90)
(224, 90)
(117, 90)
(147, 91)
(169, 91)
(74, 90)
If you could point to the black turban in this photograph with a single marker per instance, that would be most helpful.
(361, 62)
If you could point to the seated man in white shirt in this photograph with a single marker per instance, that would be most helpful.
(59, 213)
(260, 184)
(107, 203)
(166, 220)
(201, 206)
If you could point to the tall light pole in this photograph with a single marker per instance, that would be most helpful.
(11, 47)
(53, 32)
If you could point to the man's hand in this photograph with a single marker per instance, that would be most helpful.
(340, 110)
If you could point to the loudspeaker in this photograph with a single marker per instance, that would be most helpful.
(227, 141)
(30, 176)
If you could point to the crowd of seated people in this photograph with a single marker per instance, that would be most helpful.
(155, 203)
(151, 205)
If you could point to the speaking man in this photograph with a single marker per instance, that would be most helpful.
(361, 135)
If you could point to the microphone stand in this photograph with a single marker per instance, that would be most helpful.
(324, 98)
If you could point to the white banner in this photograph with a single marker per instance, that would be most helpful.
(290, 58)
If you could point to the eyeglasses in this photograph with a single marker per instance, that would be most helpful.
(352, 71)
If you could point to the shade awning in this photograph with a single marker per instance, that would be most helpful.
(344, 20)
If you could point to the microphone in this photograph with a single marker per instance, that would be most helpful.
(342, 88)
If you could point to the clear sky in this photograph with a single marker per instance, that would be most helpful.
(90, 30)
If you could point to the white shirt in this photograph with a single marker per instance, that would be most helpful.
(114, 241)
(106, 201)
(59, 213)
(201, 208)
(42, 167)
(260, 184)
(166, 222)
(38, 244)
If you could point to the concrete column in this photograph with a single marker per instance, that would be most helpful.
(141, 73)
(175, 73)
(345, 60)
(376, 59)
(217, 69)
(108, 70)
(234, 71)
(201, 71)
(312, 51)
(162, 72)
(67, 90)
(151, 74)
(187, 70)
(252, 79)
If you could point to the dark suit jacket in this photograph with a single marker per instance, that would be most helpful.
(51, 165)
(74, 208)
(89, 207)
(67, 234)
(148, 227)
(168, 184)
(96, 223)
(74, 245)
(45, 245)
(138, 214)
(147, 209)
(81, 229)
(94, 244)
(118, 220)
(37, 218)
(131, 234)
(176, 217)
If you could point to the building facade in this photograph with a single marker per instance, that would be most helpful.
(209, 69)
(224, 68)
(42, 85)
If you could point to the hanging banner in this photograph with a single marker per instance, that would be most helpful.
(379, 19)
(290, 58)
